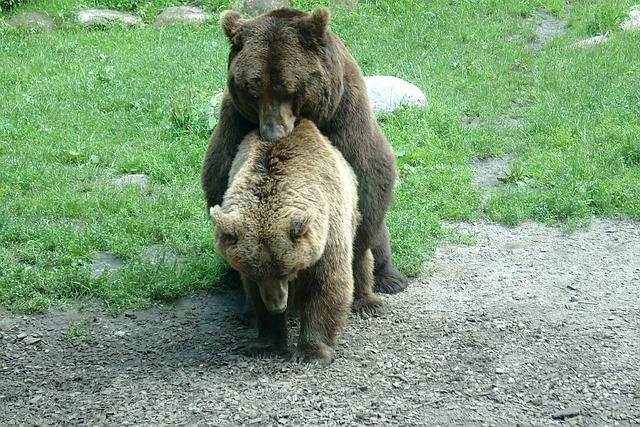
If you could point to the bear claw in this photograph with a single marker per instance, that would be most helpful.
(369, 305)
(390, 281)
(260, 350)
(320, 356)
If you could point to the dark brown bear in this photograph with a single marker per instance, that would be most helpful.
(287, 65)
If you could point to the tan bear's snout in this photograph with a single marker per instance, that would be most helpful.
(277, 120)
(274, 294)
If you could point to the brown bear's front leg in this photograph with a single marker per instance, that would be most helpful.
(272, 328)
(364, 301)
(324, 307)
(223, 146)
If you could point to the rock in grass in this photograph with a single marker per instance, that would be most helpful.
(138, 179)
(106, 17)
(388, 93)
(105, 261)
(161, 254)
(632, 23)
(256, 7)
(591, 41)
(33, 21)
(179, 15)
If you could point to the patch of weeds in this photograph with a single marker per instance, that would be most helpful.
(456, 237)
(194, 115)
(599, 17)
(79, 330)
(515, 175)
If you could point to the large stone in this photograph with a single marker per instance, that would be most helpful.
(388, 93)
(591, 41)
(256, 7)
(632, 23)
(105, 17)
(33, 21)
(179, 15)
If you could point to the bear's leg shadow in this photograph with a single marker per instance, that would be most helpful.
(364, 301)
(272, 328)
(388, 279)
(324, 308)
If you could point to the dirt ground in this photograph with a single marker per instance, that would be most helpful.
(526, 327)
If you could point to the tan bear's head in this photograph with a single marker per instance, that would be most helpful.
(270, 249)
(282, 66)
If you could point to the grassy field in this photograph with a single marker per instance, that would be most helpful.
(80, 108)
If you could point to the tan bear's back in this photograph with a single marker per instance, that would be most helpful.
(302, 170)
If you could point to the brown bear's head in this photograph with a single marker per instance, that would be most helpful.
(282, 66)
(270, 248)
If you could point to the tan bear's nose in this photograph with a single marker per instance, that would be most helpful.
(274, 295)
(271, 131)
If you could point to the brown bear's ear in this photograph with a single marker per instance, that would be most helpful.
(317, 23)
(231, 22)
(299, 225)
(224, 224)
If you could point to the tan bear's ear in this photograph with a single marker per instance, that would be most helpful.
(299, 226)
(231, 22)
(224, 222)
(317, 23)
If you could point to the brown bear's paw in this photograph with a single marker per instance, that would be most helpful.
(369, 305)
(388, 280)
(264, 350)
(320, 354)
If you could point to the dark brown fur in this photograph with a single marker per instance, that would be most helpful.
(287, 65)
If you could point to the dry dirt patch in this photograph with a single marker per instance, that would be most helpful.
(528, 326)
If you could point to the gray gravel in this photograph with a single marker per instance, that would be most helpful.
(527, 327)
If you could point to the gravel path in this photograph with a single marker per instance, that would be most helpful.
(526, 327)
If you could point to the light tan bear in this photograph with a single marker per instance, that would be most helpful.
(287, 224)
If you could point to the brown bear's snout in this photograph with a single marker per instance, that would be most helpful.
(274, 294)
(276, 120)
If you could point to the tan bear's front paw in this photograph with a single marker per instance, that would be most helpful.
(369, 305)
(321, 355)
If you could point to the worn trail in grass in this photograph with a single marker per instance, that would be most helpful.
(82, 108)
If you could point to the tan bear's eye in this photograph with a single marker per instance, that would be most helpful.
(228, 239)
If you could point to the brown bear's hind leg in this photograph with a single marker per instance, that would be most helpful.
(388, 279)
(364, 301)
(272, 328)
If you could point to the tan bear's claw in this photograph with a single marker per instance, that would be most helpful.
(367, 306)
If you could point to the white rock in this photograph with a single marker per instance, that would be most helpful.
(106, 17)
(138, 179)
(632, 23)
(256, 7)
(591, 41)
(388, 93)
(182, 15)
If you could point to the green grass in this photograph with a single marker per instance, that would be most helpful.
(81, 107)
